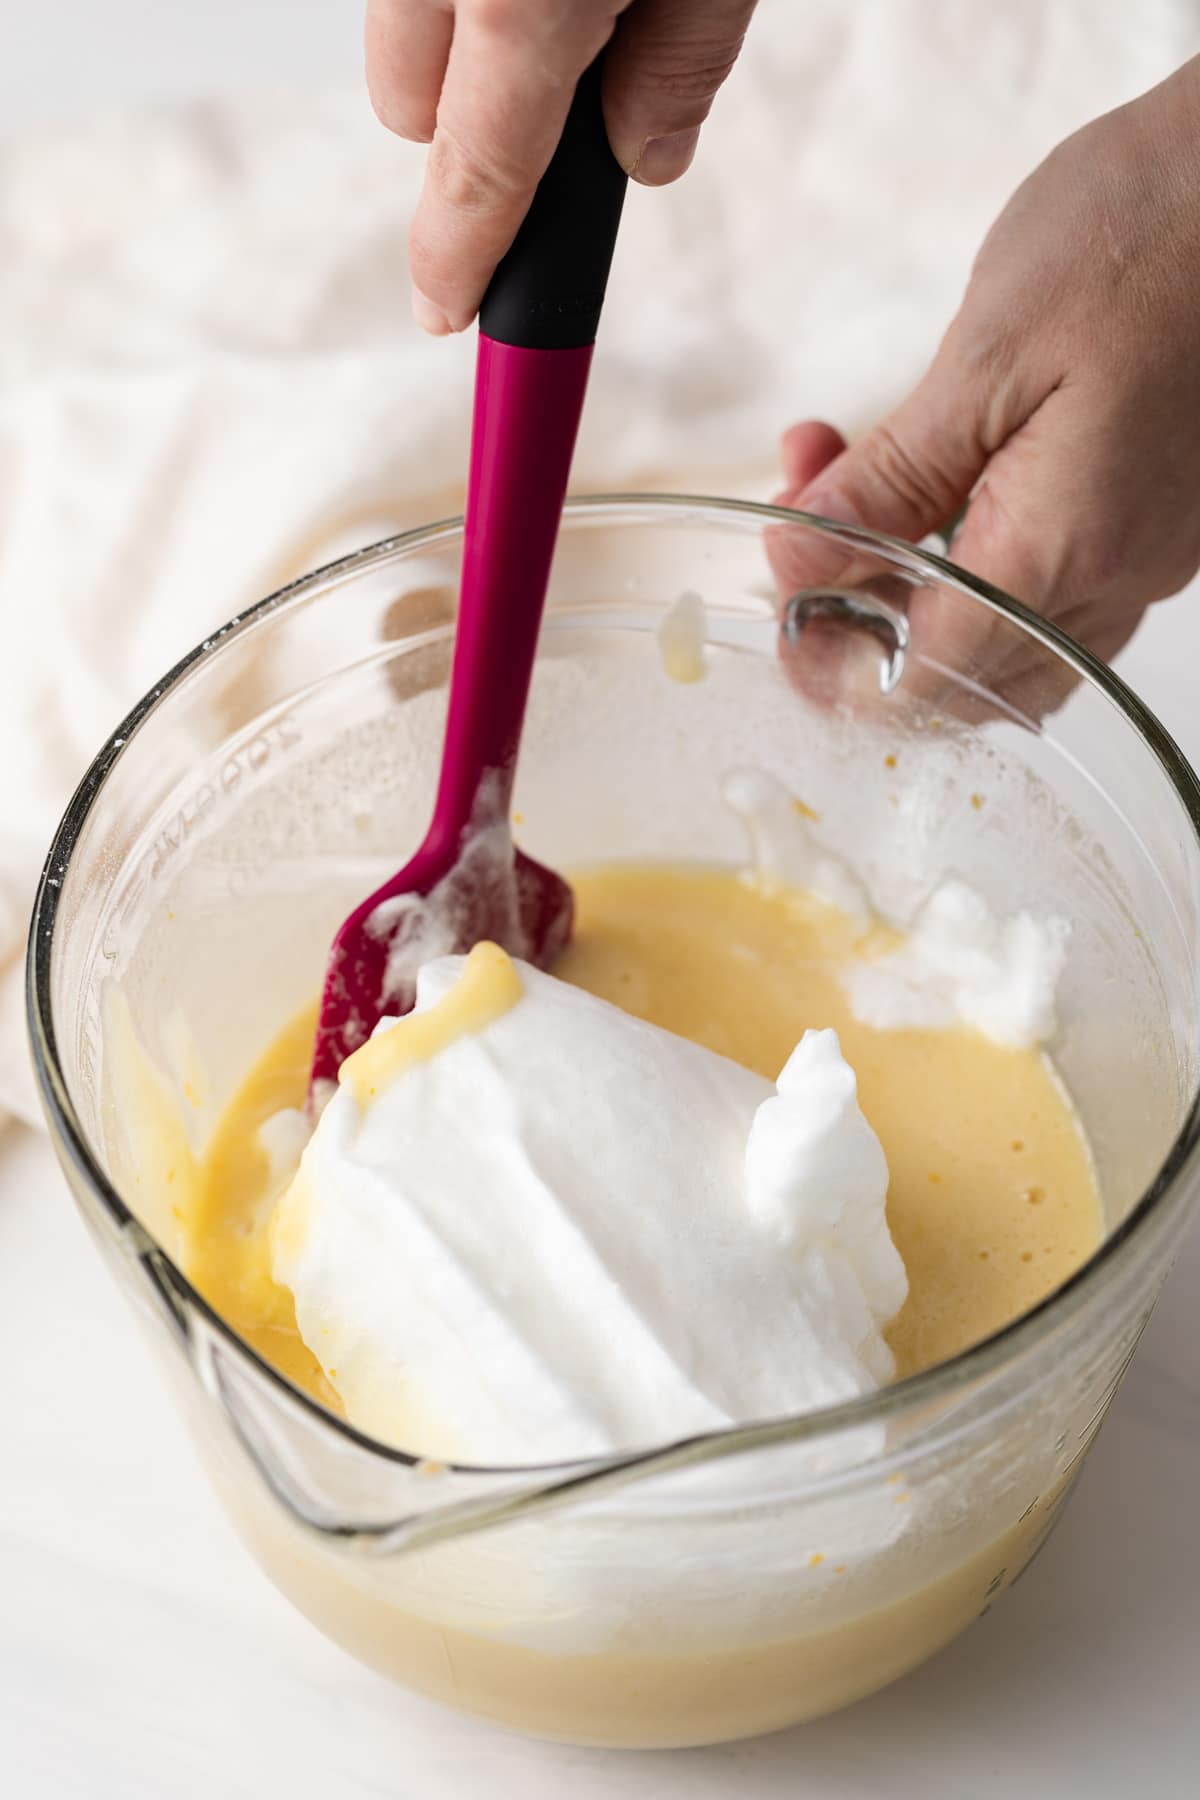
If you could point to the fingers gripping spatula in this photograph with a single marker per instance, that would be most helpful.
(468, 881)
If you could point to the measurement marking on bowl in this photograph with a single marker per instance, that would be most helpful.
(236, 772)
(1089, 1431)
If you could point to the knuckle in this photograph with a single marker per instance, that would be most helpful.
(691, 83)
(517, 22)
(465, 181)
(502, 18)
(918, 480)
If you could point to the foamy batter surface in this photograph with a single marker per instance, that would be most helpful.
(992, 1200)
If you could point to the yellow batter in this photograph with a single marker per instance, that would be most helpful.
(992, 1200)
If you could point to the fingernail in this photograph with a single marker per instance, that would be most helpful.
(664, 158)
(831, 505)
(429, 317)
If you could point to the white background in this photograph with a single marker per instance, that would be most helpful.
(63, 57)
(141, 1653)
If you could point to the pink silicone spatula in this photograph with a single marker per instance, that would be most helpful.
(467, 881)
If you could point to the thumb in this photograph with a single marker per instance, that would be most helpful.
(907, 477)
(915, 469)
(662, 71)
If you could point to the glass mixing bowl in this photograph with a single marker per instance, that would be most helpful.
(763, 1575)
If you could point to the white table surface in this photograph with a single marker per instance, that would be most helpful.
(143, 1655)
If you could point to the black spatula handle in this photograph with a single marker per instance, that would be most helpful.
(548, 291)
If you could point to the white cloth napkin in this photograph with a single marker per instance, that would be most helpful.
(209, 378)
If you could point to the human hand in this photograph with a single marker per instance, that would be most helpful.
(487, 84)
(1063, 403)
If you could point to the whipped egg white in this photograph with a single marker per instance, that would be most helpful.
(961, 965)
(531, 1227)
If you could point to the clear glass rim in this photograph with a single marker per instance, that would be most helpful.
(991, 1354)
